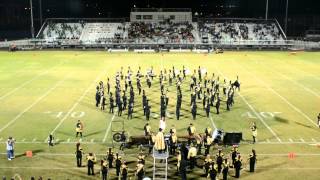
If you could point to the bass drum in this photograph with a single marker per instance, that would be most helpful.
(117, 137)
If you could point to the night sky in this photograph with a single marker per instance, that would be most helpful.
(15, 14)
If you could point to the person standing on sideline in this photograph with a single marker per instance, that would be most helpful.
(50, 140)
(118, 163)
(103, 102)
(10, 148)
(254, 132)
(91, 158)
(252, 160)
(98, 97)
(104, 169)
(79, 153)
(110, 158)
(79, 128)
(237, 166)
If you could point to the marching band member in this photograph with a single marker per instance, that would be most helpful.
(79, 128)
(91, 160)
(192, 156)
(219, 160)
(212, 172)
(207, 144)
(104, 169)
(147, 129)
(124, 171)
(225, 169)
(173, 140)
(254, 132)
(159, 142)
(140, 171)
(110, 157)
(207, 163)
(252, 160)
(79, 153)
(237, 166)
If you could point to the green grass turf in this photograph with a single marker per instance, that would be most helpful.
(45, 91)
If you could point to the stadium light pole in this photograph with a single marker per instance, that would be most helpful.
(31, 16)
(286, 18)
(267, 9)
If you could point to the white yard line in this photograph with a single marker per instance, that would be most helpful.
(301, 85)
(213, 124)
(108, 129)
(76, 103)
(288, 78)
(27, 82)
(255, 112)
(259, 117)
(33, 104)
(280, 96)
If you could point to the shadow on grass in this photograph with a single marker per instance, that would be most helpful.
(281, 120)
(304, 125)
(65, 133)
(266, 168)
(93, 133)
(34, 152)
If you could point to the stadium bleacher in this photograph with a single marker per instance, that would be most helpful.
(222, 31)
(240, 31)
(102, 32)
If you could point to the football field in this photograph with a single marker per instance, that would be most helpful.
(43, 92)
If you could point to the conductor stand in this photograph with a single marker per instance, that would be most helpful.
(160, 164)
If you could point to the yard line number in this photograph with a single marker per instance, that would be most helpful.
(61, 114)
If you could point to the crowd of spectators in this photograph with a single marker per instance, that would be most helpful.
(233, 31)
(163, 32)
(266, 31)
(118, 36)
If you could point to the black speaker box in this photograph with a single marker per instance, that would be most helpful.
(232, 138)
